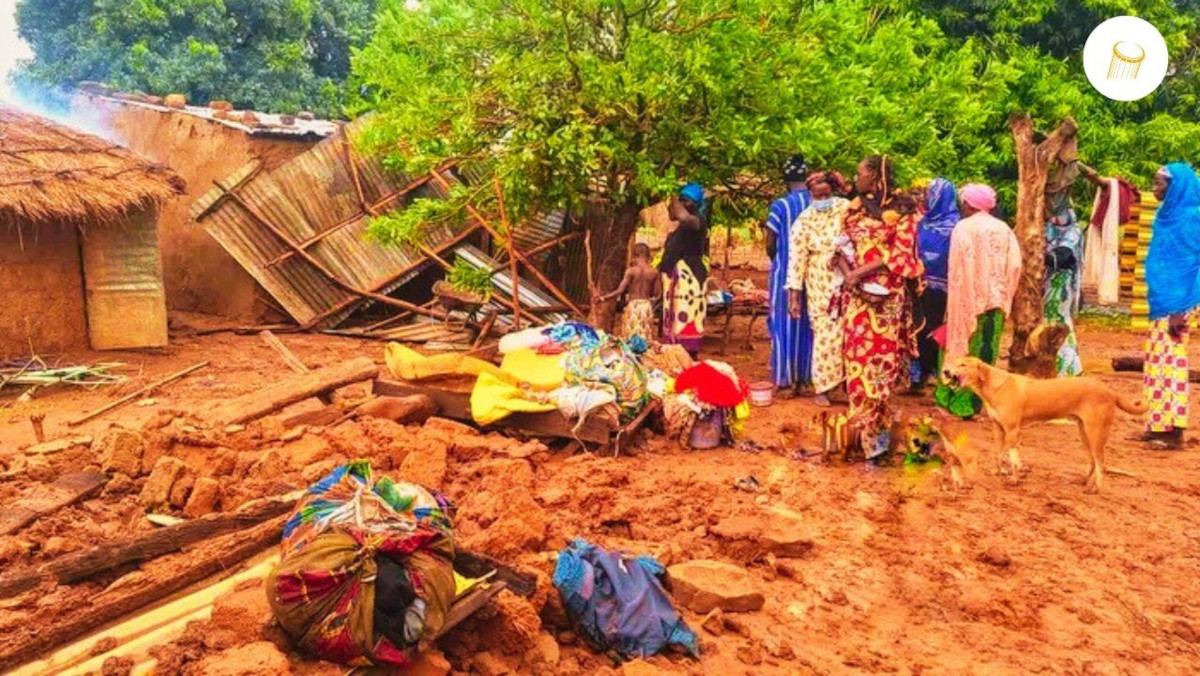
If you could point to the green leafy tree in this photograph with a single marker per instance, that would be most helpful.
(573, 100)
(278, 55)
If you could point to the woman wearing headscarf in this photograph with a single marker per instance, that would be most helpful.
(881, 225)
(791, 337)
(814, 278)
(933, 245)
(1173, 292)
(983, 273)
(684, 272)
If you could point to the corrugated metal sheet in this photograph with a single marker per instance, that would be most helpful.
(122, 271)
(313, 200)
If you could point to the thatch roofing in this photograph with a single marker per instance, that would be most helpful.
(51, 174)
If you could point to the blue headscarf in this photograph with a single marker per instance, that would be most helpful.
(695, 193)
(1173, 262)
(933, 233)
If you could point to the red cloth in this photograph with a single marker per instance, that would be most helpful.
(711, 386)
(1129, 195)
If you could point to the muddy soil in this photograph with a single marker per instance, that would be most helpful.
(1032, 575)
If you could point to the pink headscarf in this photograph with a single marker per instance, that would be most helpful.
(978, 196)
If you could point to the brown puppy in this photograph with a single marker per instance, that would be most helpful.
(1012, 400)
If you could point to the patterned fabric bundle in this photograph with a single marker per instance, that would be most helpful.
(605, 360)
(366, 570)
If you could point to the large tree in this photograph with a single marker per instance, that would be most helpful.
(277, 55)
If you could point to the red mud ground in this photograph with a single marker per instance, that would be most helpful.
(1003, 578)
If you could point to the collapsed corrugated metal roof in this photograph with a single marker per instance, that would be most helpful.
(300, 230)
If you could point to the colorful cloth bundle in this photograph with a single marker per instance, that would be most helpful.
(366, 570)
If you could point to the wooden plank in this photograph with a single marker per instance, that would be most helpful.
(457, 406)
(68, 490)
(39, 637)
(290, 390)
(468, 605)
(474, 565)
(83, 564)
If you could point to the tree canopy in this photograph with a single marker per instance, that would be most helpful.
(628, 98)
(279, 55)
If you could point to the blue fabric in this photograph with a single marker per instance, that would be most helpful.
(791, 339)
(1173, 262)
(933, 233)
(618, 603)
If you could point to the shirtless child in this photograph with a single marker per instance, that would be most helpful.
(641, 285)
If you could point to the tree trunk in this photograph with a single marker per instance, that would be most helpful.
(612, 228)
(1033, 167)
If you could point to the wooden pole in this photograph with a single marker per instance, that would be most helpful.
(510, 244)
(486, 225)
(293, 362)
(140, 393)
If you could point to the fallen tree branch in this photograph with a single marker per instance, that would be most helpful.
(292, 389)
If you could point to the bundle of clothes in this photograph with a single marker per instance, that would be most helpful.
(366, 571)
(570, 367)
(617, 603)
(708, 393)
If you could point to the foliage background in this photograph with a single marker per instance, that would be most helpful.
(630, 97)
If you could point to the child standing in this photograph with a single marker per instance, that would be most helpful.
(641, 285)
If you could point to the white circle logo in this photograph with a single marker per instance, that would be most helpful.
(1125, 58)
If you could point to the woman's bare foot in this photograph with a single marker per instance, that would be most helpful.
(822, 401)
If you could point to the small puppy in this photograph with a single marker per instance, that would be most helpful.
(1012, 400)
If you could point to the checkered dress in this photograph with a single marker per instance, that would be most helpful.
(1165, 375)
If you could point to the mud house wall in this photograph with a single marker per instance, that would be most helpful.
(41, 292)
(199, 275)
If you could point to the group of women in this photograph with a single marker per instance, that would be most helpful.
(873, 287)
(864, 278)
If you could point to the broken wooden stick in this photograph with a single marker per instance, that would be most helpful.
(1136, 363)
(509, 244)
(292, 389)
(135, 395)
(43, 634)
(293, 362)
(86, 563)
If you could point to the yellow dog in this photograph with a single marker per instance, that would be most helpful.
(1012, 400)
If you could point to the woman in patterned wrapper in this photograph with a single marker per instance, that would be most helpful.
(1173, 292)
(684, 271)
(881, 223)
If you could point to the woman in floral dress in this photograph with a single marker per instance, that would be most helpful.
(881, 224)
(812, 270)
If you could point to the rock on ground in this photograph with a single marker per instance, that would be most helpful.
(773, 530)
(166, 472)
(701, 586)
(123, 452)
(205, 494)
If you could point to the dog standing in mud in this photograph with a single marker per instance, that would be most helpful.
(1012, 400)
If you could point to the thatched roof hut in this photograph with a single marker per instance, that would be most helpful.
(79, 258)
(54, 175)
